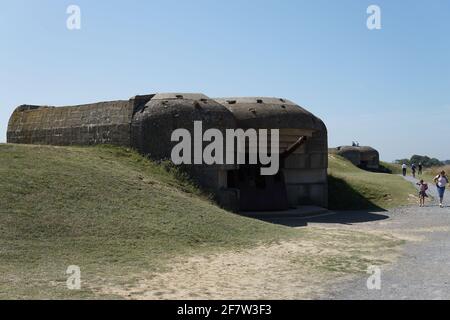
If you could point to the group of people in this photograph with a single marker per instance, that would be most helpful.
(441, 181)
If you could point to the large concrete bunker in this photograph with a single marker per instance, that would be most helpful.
(146, 123)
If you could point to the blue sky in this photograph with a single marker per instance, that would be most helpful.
(387, 88)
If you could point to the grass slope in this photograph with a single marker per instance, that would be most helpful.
(106, 209)
(353, 188)
(392, 167)
(119, 216)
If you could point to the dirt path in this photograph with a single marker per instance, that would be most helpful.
(261, 273)
(423, 271)
(290, 270)
(329, 262)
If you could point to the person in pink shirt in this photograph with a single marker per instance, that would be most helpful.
(423, 187)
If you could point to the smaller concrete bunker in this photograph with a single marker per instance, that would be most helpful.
(363, 157)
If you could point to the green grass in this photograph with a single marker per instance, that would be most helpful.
(117, 215)
(106, 209)
(392, 167)
(351, 188)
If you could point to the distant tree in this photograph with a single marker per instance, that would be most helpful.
(402, 161)
(426, 161)
(435, 162)
(420, 159)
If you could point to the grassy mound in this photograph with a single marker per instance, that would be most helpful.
(430, 173)
(107, 210)
(353, 188)
(391, 167)
(122, 218)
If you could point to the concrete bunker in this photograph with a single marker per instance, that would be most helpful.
(363, 157)
(153, 123)
(302, 178)
(146, 123)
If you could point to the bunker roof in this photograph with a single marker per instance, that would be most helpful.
(180, 96)
(271, 113)
(355, 149)
(363, 151)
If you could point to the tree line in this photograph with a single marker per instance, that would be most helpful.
(425, 160)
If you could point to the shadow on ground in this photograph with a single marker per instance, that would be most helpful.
(336, 217)
(347, 206)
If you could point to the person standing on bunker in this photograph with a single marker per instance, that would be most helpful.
(404, 167)
(441, 181)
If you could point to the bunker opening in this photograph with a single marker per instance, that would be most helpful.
(259, 192)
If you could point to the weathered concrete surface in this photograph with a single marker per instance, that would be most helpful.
(153, 124)
(147, 122)
(305, 171)
(97, 123)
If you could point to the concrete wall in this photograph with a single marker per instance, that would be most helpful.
(370, 159)
(98, 123)
(147, 122)
(153, 125)
(306, 172)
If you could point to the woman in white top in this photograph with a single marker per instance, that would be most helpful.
(441, 181)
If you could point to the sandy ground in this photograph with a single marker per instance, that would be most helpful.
(289, 270)
(261, 273)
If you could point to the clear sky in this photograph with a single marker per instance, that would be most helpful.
(387, 88)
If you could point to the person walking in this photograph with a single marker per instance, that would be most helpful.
(413, 170)
(404, 168)
(420, 168)
(423, 187)
(441, 181)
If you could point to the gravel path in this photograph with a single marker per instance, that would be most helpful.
(423, 269)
